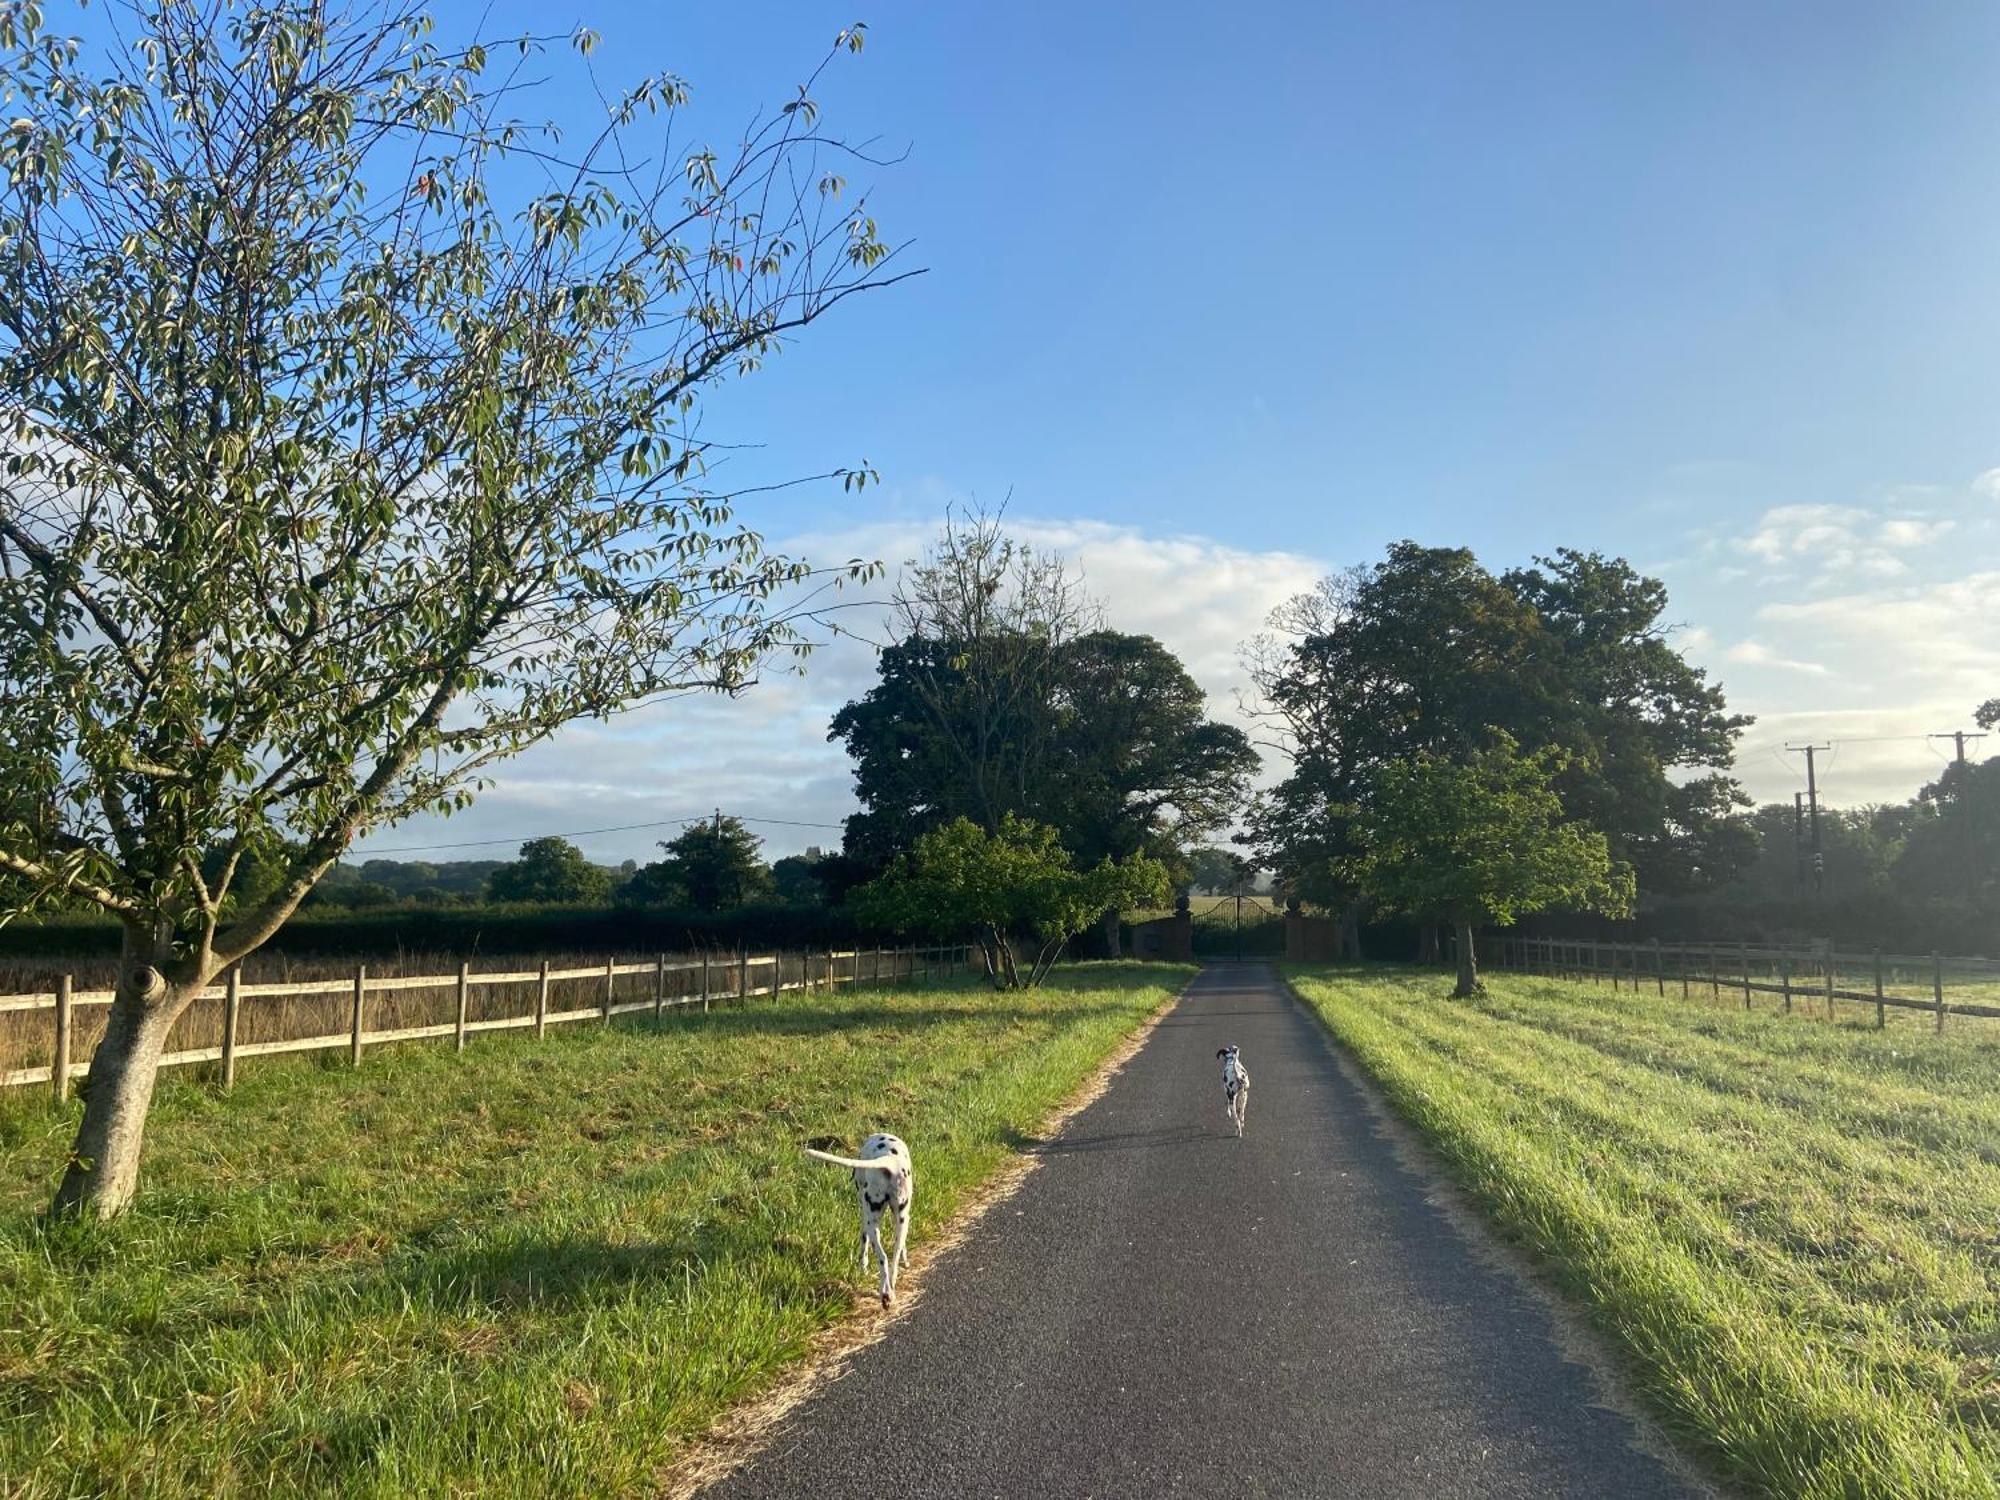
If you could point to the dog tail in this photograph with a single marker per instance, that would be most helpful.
(881, 1162)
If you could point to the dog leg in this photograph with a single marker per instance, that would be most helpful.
(886, 1286)
(902, 1212)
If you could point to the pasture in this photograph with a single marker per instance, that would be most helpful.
(1789, 1226)
(530, 1269)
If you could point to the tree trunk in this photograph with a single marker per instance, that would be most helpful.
(1427, 943)
(1350, 931)
(1111, 944)
(103, 1171)
(1468, 964)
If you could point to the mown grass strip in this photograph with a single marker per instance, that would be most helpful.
(534, 1269)
(1796, 1237)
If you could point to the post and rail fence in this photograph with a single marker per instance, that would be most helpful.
(646, 987)
(1813, 977)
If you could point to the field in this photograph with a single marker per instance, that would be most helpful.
(533, 1269)
(1792, 1228)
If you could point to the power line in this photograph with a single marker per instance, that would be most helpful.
(584, 833)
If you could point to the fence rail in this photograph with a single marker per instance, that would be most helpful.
(1801, 977)
(736, 977)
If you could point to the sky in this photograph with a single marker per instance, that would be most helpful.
(1218, 299)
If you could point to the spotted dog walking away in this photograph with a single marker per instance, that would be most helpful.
(885, 1181)
(1235, 1087)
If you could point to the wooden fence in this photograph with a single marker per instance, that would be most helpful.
(702, 980)
(1801, 977)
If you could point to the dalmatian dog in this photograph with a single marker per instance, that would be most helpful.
(1235, 1087)
(885, 1182)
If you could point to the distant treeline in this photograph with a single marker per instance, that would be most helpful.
(1912, 876)
(469, 931)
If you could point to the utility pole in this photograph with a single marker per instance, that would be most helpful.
(1812, 803)
(1958, 737)
(1798, 843)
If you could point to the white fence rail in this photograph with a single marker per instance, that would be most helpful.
(734, 977)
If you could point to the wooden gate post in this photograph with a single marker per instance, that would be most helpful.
(59, 1068)
(232, 998)
(354, 1041)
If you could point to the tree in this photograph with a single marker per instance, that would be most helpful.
(1003, 696)
(332, 477)
(552, 870)
(1426, 653)
(715, 865)
(1016, 881)
(1220, 872)
(798, 879)
(1481, 839)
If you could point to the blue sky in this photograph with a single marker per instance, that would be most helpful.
(1225, 296)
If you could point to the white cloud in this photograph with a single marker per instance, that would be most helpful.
(1757, 654)
(1988, 484)
(765, 754)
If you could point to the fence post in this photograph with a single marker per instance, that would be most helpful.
(542, 1002)
(1881, 1010)
(704, 981)
(777, 971)
(742, 975)
(610, 983)
(1785, 976)
(464, 1001)
(1937, 987)
(360, 987)
(1659, 969)
(1714, 972)
(1681, 951)
(232, 1000)
(1746, 973)
(659, 985)
(59, 1069)
(1829, 979)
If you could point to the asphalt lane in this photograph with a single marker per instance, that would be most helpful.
(1163, 1309)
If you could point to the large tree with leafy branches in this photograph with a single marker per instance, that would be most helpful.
(1480, 838)
(351, 446)
(1427, 653)
(1004, 694)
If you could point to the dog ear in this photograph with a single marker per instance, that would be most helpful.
(1221, 1051)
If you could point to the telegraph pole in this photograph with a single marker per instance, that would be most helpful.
(1958, 737)
(1812, 803)
(1798, 843)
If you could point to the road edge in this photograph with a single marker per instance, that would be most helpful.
(743, 1431)
(1576, 1338)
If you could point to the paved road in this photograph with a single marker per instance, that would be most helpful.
(1166, 1310)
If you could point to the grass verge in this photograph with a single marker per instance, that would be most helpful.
(1793, 1229)
(536, 1269)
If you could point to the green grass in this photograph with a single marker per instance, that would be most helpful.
(536, 1269)
(1792, 1227)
